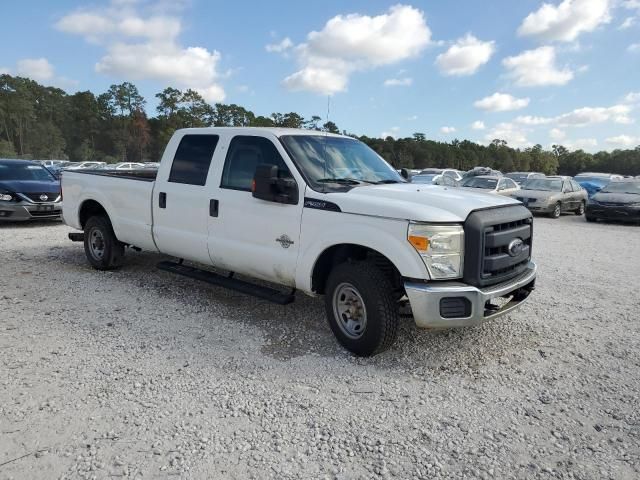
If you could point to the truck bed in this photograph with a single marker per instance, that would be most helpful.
(146, 175)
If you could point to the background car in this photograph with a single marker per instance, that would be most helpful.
(522, 177)
(28, 191)
(448, 172)
(126, 166)
(619, 201)
(434, 179)
(491, 184)
(593, 182)
(553, 195)
(84, 165)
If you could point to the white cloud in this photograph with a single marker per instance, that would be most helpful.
(280, 47)
(623, 140)
(633, 48)
(557, 134)
(501, 102)
(566, 21)
(412, 117)
(581, 144)
(398, 82)
(146, 47)
(628, 23)
(447, 130)
(513, 135)
(537, 67)
(465, 56)
(533, 121)
(4, 70)
(478, 125)
(354, 42)
(632, 97)
(38, 69)
(581, 117)
(392, 132)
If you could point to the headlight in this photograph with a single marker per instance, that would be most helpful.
(441, 248)
(7, 197)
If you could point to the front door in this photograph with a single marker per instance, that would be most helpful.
(180, 200)
(247, 235)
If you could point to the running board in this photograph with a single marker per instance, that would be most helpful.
(76, 236)
(231, 283)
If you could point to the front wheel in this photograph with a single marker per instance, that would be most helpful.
(557, 209)
(103, 250)
(360, 308)
(580, 210)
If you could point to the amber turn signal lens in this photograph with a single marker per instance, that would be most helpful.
(420, 243)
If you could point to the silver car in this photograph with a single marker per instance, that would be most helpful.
(553, 196)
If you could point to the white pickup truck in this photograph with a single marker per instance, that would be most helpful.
(314, 212)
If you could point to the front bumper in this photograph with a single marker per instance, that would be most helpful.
(427, 306)
(536, 207)
(16, 212)
(620, 213)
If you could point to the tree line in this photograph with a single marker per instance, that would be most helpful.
(38, 122)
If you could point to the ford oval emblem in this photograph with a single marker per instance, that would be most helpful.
(44, 198)
(515, 247)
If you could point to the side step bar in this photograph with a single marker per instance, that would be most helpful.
(76, 236)
(231, 283)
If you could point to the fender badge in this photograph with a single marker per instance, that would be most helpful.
(284, 241)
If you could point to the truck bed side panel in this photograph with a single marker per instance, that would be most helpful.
(126, 200)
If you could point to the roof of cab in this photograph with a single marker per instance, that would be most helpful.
(12, 161)
(277, 131)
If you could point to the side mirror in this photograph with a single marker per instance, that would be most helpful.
(405, 174)
(268, 186)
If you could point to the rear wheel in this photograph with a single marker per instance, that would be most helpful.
(103, 250)
(360, 308)
(590, 219)
(557, 209)
(580, 210)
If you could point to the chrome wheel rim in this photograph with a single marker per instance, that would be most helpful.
(96, 244)
(556, 211)
(581, 209)
(349, 311)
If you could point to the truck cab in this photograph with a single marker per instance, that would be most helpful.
(318, 213)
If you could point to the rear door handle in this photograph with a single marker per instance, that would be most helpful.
(213, 208)
(162, 200)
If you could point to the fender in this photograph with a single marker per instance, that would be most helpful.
(322, 230)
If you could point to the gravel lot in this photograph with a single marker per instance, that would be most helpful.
(137, 373)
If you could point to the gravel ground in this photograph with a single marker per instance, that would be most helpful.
(137, 373)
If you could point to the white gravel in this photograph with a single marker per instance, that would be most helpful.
(137, 373)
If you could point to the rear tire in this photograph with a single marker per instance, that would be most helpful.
(360, 308)
(580, 210)
(591, 219)
(103, 250)
(557, 210)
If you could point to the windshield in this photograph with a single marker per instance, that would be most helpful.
(543, 184)
(325, 160)
(28, 171)
(423, 178)
(518, 177)
(477, 182)
(622, 187)
(592, 179)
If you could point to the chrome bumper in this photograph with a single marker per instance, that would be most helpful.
(425, 299)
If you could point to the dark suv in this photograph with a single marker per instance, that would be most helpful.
(28, 191)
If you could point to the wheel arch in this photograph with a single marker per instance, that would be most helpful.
(346, 252)
(88, 209)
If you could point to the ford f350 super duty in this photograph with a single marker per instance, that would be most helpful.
(307, 211)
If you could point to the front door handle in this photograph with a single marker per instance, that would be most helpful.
(213, 208)
(162, 200)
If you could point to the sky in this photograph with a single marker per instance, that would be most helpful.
(563, 72)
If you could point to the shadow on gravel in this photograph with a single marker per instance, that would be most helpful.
(301, 329)
(5, 225)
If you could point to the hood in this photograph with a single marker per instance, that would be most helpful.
(421, 203)
(30, 186)
(616, 197)
(537, 194)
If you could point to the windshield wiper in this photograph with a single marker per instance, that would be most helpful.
(383, 182)
(345, 181)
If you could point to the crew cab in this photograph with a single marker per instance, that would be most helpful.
(318, 213)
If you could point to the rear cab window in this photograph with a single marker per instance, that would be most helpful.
(192, 159)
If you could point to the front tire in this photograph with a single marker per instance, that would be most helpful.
(557, 210)
(591, 219)
(103, 250)
(360, 308)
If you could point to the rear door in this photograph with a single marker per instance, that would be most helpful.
(247, 235)
(568, 196)
(180, 200)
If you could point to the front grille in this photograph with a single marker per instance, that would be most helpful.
(45, 213)
(488, 235)
(35, 197)
(526, 199)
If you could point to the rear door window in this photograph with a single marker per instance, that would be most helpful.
(192, 159)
